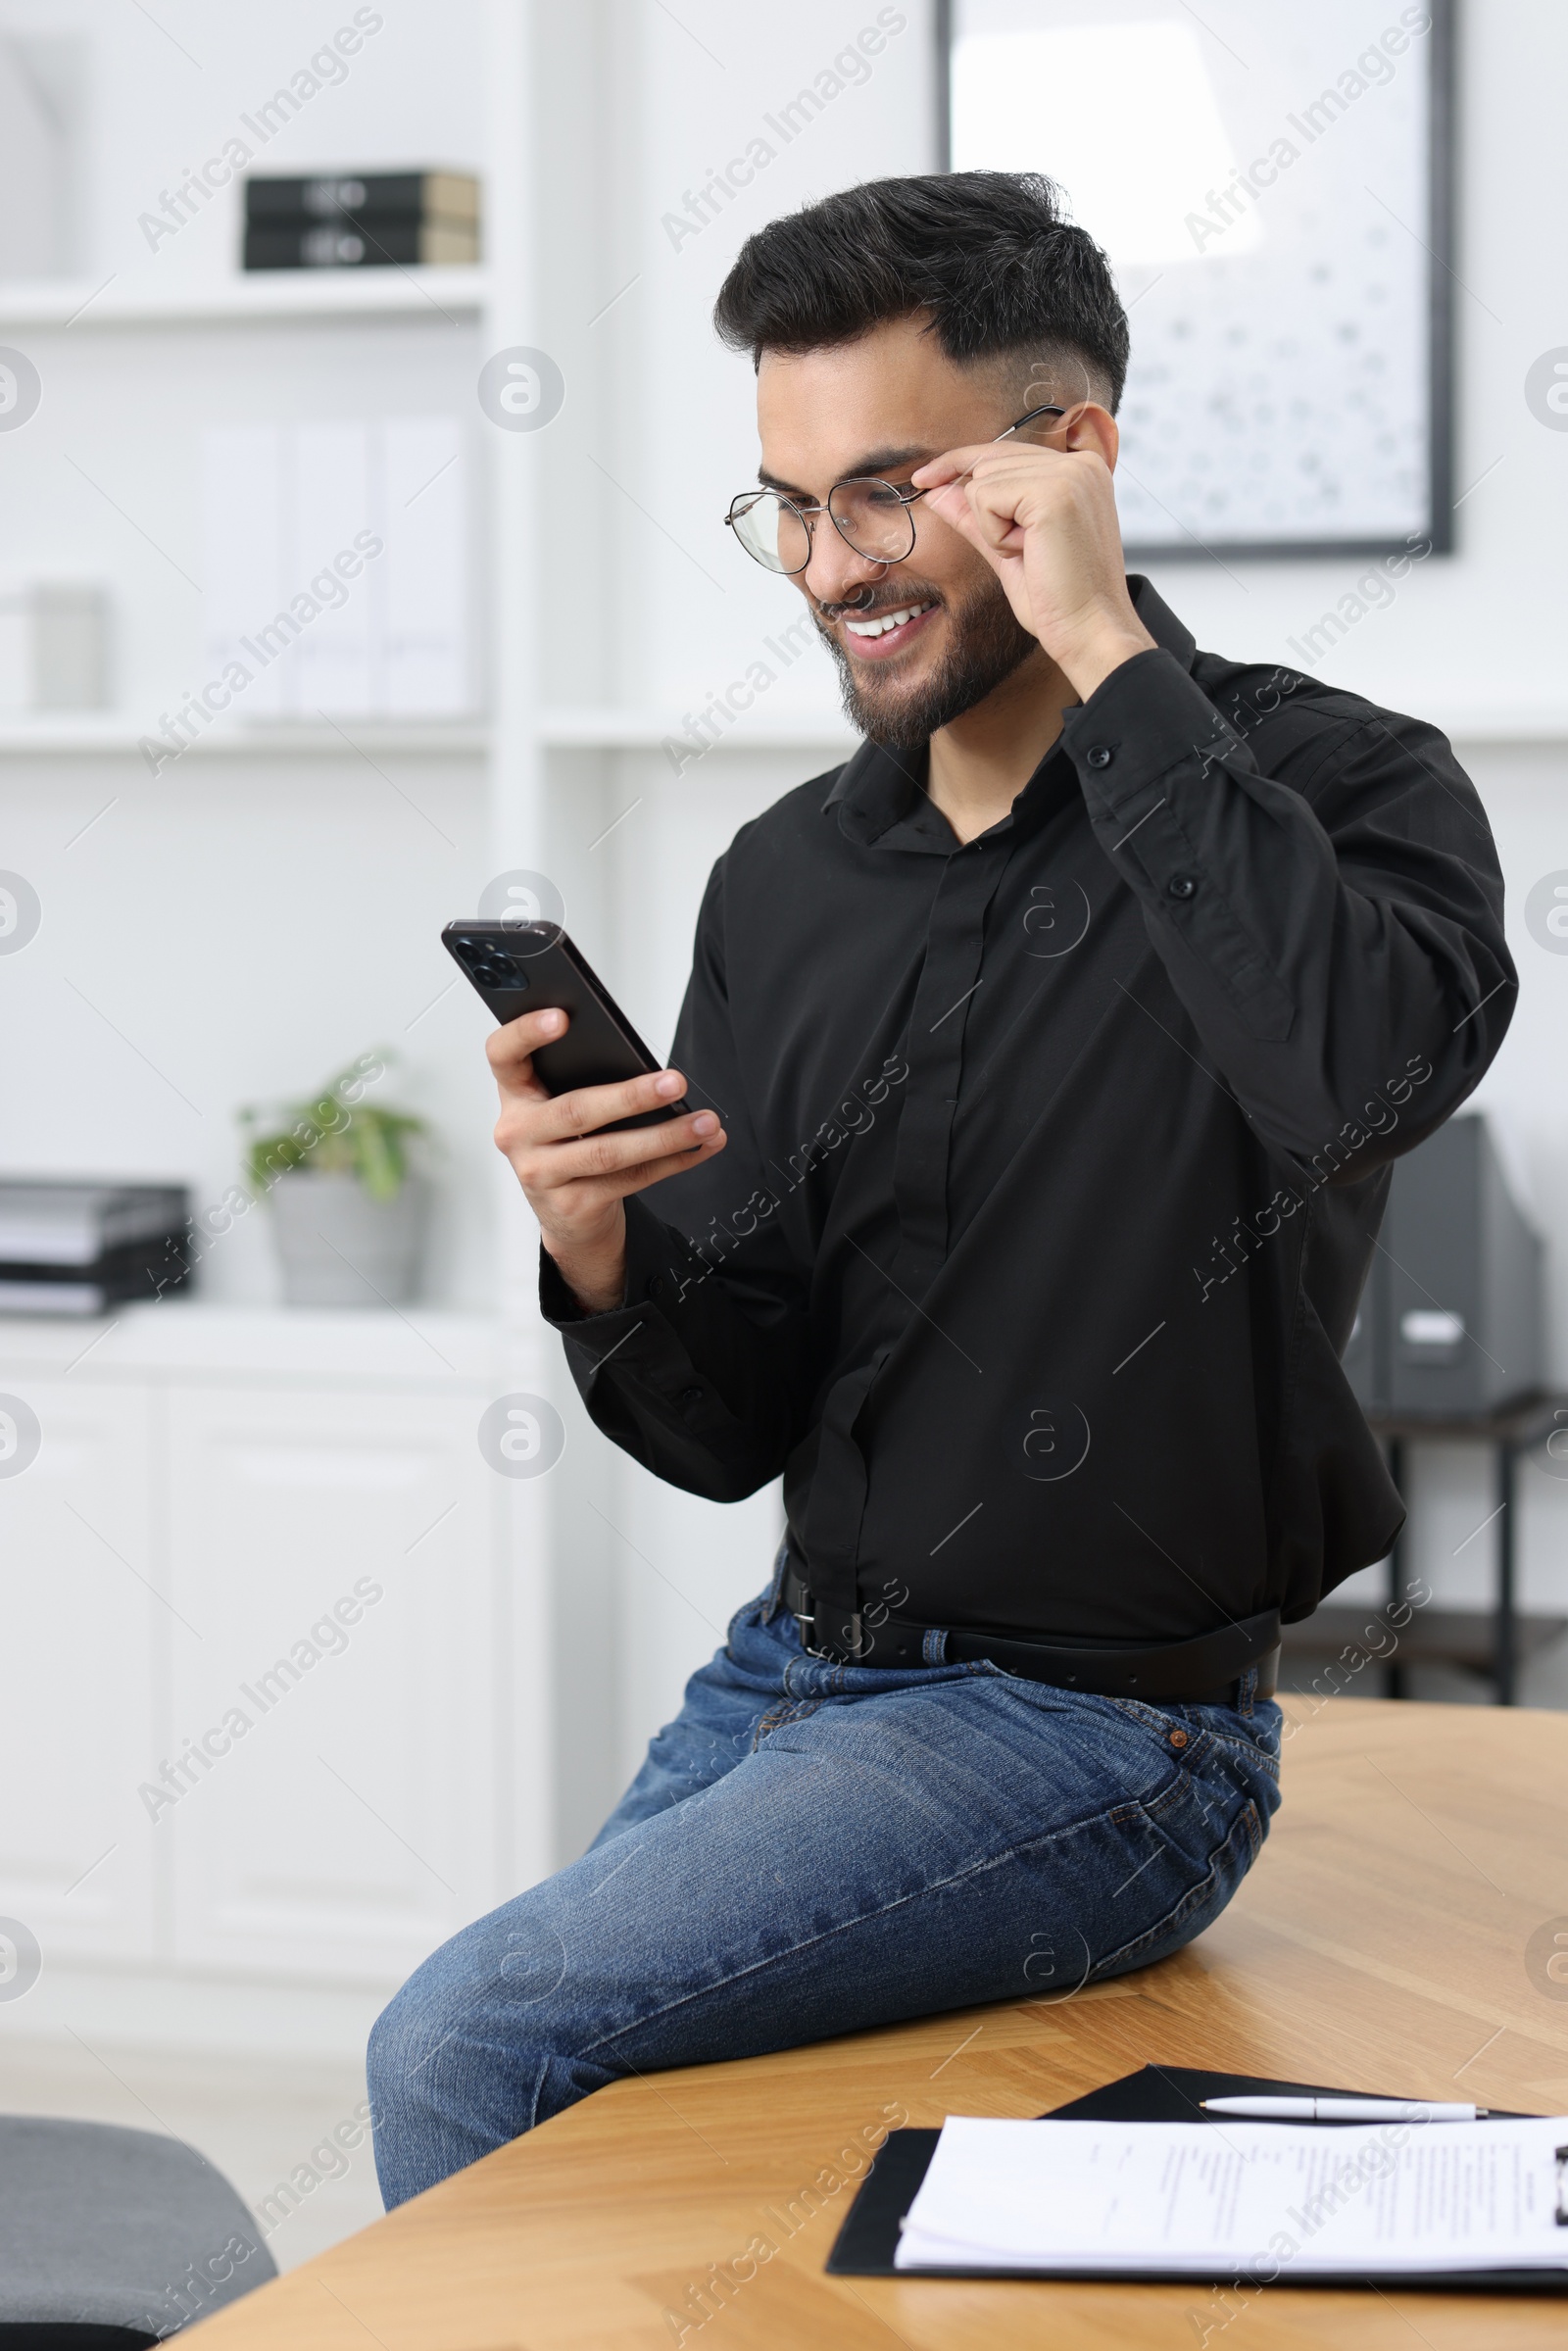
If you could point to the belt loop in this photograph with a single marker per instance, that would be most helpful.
(934, 1646)
(775, 1589)
(1246, 1691)
(840, 1640)
(853, 1638)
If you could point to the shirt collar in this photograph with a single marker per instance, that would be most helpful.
(875, 787)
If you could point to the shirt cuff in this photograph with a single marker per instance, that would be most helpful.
(660, 1265)
(640, 1342)
(1150, 749)
(1145, 718)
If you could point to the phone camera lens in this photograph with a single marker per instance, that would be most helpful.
(491, 966)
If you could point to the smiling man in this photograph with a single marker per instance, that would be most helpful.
(1051, 1055)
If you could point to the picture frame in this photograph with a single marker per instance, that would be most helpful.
(1291, 391)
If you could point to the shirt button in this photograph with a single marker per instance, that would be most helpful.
(691, 1395)
(1178, 1738)
(654, 1284)
(1098, 755)
(1180, 885)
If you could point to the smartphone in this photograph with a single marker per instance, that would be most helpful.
(534, 967)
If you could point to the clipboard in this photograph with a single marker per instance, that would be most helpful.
(1158, 2093)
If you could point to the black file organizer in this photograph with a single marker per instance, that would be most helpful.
(870, 2237)
(1495, 1642)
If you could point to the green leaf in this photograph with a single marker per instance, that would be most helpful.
(379, 1161)
(342, 1135)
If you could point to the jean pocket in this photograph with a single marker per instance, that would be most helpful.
(1201, 1872)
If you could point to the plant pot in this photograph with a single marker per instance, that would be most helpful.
(340, 1248)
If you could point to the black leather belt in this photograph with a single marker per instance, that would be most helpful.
(1204, 1672)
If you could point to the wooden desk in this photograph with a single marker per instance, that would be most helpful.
(1379, 1943)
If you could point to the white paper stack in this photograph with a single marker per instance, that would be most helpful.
(336, 493)
(73, 1248)
(1265, 2199)
(424, 646)
(248, 513)
(337, 570)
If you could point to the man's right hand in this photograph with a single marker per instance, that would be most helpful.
(575, 1178)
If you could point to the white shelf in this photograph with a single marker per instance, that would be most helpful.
(175, 1338)
(587, 728)
(267, 294)
(76, 734)
(1521, 722)
(648, 730)
(72, 733)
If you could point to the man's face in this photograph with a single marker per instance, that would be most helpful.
(878, 407)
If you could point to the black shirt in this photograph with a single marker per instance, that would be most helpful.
(1057, 1159)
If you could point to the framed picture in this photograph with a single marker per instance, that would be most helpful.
(1274, 189)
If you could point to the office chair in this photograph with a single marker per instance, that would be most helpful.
(111, 2239)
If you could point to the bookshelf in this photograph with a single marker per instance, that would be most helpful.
(88, 733)
(229, 930)
(264, 297)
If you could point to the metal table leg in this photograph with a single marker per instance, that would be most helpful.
(1393, 1672)
(1504, 1642)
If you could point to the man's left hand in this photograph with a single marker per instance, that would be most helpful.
(1045, 519)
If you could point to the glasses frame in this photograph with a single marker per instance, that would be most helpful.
(806, 515)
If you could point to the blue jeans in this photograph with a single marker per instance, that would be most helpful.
(812, 1849)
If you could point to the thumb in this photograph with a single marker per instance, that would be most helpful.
(950, 505)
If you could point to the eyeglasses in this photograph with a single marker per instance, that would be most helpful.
(871, 516)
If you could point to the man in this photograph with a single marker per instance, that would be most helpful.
(1050, 1056)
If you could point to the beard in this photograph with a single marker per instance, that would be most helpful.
(988, 644)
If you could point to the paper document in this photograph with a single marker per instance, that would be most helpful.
(1268, 2199)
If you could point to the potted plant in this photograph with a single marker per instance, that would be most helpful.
(348, 1208)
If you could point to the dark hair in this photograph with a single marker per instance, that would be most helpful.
(987, 253)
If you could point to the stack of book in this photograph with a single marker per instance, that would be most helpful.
(362, 220)
(76, 1247)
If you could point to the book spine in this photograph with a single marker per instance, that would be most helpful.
(368, 197)
(390, 244)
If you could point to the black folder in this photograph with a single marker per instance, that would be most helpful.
(1159, 2093)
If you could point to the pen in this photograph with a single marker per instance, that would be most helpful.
(1344, 2110)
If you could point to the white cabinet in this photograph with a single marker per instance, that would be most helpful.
(82, 1633)
(334, 1551)
(260, 1712)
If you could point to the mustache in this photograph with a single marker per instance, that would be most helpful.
(868, 603)
(987, 645)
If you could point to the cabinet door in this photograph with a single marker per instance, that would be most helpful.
(82, 1630)
(332, 1797)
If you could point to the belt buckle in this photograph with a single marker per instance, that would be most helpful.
(805, 1619)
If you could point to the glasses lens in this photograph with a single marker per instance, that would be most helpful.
(874, 518)
(771, 530)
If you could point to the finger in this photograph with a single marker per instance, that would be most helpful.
(653, 1171)
(587, 1107)
(993, 506)
(951, 505)
(509, 1050)
(981, 458)
(948, 466)
(596, 1156)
